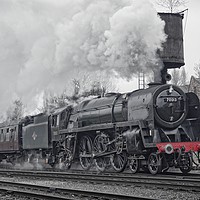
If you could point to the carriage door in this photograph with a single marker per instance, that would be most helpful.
(15, 138)
(12, 136)
(8, 139)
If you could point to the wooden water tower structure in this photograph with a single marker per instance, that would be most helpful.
(172, 54)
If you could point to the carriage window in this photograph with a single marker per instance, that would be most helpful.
(7, 135)
(2, 135)
(57, 121)
(15, 133)
(12, 134)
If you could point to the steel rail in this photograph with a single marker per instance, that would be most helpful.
(185, 183)
(68, 175)
(47, 192)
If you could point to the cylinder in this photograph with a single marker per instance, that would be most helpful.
(172, 54)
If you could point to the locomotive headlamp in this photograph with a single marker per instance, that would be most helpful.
(171, 89)
(169, 149)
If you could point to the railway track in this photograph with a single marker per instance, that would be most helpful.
(58, 193)
(187, 183)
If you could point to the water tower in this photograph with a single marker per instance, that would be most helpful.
(172, 54)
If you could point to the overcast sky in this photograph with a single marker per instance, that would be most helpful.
(192, 36)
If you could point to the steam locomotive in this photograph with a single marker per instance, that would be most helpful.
(153, 129)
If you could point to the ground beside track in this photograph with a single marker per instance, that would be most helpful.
(152, 192)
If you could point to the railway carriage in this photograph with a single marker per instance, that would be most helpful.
(10, 141)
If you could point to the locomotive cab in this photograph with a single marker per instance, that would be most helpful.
(59, 121)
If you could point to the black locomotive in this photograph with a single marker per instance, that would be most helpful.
(152, 129)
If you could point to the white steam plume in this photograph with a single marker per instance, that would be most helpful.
(43, 43)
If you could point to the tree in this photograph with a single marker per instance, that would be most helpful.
(16, 111)
(171, 5)
(76, 87)
(2, 119)
(175, 77)
(96, 90)
(179, 77)
(53, 101)
(197, 69)
(183, 77)
(101, 80)
(86, 86)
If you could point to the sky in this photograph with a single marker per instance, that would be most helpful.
(191, 37)
(45, 44)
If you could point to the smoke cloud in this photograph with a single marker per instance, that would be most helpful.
(44, 43)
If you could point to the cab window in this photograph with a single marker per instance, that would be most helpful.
(54, 120)
(62, 119)
(62, 116)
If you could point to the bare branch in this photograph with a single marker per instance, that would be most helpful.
(179, 77)
(171, 5)
(197, 69)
